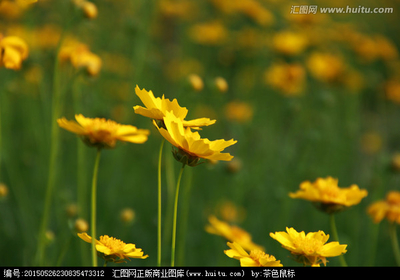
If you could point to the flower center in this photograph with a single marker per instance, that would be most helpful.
(308, 245)
(112, 242)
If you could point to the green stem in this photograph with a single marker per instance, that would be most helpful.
(395, 242)
(175, 217)
(336, 237)
(93, 217)
(159, 206)
(54, 146)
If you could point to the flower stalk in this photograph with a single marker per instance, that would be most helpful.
(395, 242)
(175, 217)
(336, 236)
(159, 205)
(93, 201)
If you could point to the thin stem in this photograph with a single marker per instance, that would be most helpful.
(395, 242)
(336, 237)
(175, 217)
(54, 146)
(159, 206)
(93, 217)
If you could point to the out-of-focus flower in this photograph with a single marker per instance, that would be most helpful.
(230, 212)
(157, 108)
(250, 8)
(13, 50)
(232, 233)
(256, 258)
(127, 215)
(287, 78)
(89, 9)
(196, 82)
(221, 84)
(327, 196)
(81, 225)
(396, 162)
(209, 33)
(190, 146)
(102, 133)
(181, 9)
(289, 42)
(81, 57)
(310, 249)
(239, 111)
(370, 48)
(114, 250)
(392, 90)
(3, 190)
(388, 208)
(325, 67)
(15, 8)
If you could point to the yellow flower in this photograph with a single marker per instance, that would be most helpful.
(328, 196)
(190, 146)
(103, 133)
(196, 82)
(232, 233)
(156, 108)
(325, 67)
(288, 78)
(209, 33)
(13, 50)
(289, 42)
(89, 9)
(388, 208)
(309, 249)
(80, 57)
(115, 250)
(239, 111)
(256, 258)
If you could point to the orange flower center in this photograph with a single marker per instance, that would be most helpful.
(112, 243)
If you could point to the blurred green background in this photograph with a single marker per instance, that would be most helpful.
(333, 112)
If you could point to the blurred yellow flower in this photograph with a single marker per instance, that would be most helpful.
(190, 146)
(388, 208)
(81, 225)
(231, 233)
(209, 33)
(196, 82)
(287, 78)
(13, 50)
(127, 215)
(239, 111)
(310, 249)
(3, 190)
(325, 67)
(289, 42)
(256, 258)
(89, 9)
(327, 195)
(392, 90)
(115, 250)
(103, 133)
(221, 84)
(156, 108)
(80, 57)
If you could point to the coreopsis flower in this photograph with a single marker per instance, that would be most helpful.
(196, 82)
(13, 50)
(190, 146)
(115, 250)
(328, 196)
(80, 56)
(232, 233)
(256, 258)
(325, 67)
(288, 78)
(388, 208)
(289, 42)
(89, 9)
(102, 133)
(239, 111)
(310, 249)
(156, 108)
